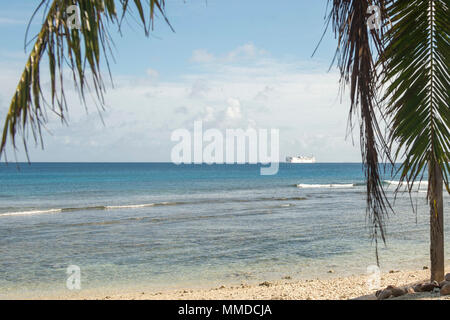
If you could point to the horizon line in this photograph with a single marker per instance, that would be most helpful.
(169, 162)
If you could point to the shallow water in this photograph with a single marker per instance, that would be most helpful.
(160, 225)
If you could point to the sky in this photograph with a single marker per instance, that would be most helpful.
(231, 64)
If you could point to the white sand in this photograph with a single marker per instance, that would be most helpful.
(353, 287)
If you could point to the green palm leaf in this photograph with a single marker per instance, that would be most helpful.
(82, 51)
(417, 64)
(416, 61)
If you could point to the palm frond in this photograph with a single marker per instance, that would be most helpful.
(417, 64)
(82, 51)
(355, 55)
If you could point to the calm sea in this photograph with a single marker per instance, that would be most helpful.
(159, 225)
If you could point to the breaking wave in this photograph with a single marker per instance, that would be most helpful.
(328, 185)
(59, 210)
(403, 183)
(144, 205)
(30, 212)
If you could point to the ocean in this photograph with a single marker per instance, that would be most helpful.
(159, 226)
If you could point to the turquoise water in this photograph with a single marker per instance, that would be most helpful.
(159, 225)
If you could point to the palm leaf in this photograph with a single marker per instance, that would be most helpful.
(417, 64)
(356, 44)
(82, 50)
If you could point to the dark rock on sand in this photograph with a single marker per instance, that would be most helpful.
(390, 291)
(418, 287)
(427, 287)
(265, 284)
(445, 290)
(396, 291)
(410, 290)
(383, 294)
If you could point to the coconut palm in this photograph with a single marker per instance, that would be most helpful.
(416, 59)
(397, 74)
(411, 72)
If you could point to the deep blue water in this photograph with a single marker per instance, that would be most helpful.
(159, 225)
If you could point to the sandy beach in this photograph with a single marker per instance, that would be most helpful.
(153, 151)
(333, 288)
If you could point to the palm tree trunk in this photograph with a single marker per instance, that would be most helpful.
(436, 221)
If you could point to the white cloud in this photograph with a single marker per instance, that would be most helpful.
(11, 21)
(233, 110)
(202, 56)
(153, 74)
(264, 93)
(199, 88)
(247, 50)
(230, 91)
(241, 53)
(182, 110)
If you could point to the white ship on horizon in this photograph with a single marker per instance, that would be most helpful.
(301, 159)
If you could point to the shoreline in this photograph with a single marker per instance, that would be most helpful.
(331, 288)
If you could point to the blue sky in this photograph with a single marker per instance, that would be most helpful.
(228, 63)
